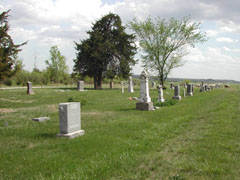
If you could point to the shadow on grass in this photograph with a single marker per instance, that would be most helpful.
(46, 135)
(127, 109)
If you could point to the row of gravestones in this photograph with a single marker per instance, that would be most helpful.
(70, 113)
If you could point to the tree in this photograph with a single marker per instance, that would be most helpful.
(8, 50)
(56, 65)
(164, 43)
(109, 49)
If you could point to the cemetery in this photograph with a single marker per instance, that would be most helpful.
(121, 109)
(115, 140)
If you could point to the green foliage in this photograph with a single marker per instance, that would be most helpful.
(108, 51)
(56, 65)
(164, 43)
(8, 50)
(168, 102)
(77, 99)
(8, 82)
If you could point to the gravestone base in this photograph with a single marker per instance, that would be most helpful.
(177, 97)
(162, 100)
(30, 92)
(144, 106)
(72, 135)
(190, 94)
(41, 119)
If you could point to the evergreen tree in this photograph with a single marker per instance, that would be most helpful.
(109, 49)
(8, 50)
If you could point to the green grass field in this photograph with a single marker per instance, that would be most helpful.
(197, 138)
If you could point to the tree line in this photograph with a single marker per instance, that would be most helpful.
(109, 51)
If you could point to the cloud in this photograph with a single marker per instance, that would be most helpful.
(225, 39)
(61, 22)
(212, 33)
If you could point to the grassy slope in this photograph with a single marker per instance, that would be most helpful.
(198, 138)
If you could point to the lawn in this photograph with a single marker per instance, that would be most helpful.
(197, 138)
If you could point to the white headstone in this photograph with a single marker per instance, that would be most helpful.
(122, 84)
(29, 88)
(70, 120)
(130, 84)
(80, 86)
(144, 101)
(144, 90)
(160, 94)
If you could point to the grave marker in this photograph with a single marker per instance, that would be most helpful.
(130, 84)
(80, 86)
(70, 120)
(144, 101)
(177, 93)
(29, 88)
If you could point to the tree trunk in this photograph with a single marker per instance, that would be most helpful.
(111, 84)
(98, 81)
(95, 81)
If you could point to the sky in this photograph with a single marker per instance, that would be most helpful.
(45, 23)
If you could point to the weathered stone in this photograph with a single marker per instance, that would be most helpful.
(177, 93)
(80, 86)
(184, 92)
(153, 84)
(189, 90)
(70, 120)
(144, 101)
(160, 94)
(122, 85)
(144, 106)
(130, 84)
(206, 87)
(29, 88)
(171, 85)
(41, 119)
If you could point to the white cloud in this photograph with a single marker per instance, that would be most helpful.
(60, 22)
(225, 39)
(212, 33)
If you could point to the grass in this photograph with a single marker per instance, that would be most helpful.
(196, 138)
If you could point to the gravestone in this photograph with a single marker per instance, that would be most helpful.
(205, 87)
(189, 90)
(153, 84)
(184, 92)
(80, 86)
(177, 93)
(29, 88)
(41, 119)
(130, 84)
(202, 87)
(192, 89)
(122, 85)
(144, 101)
(171, 85)
(70, 120)
(160, 94)
(185, 85)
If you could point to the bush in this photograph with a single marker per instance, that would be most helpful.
(168, 102)
(76, 99)
(8, 82)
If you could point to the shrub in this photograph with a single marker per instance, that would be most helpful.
(76, 99)
(8, 82)
(168, 102)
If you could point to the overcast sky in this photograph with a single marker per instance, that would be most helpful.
(45, 23)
